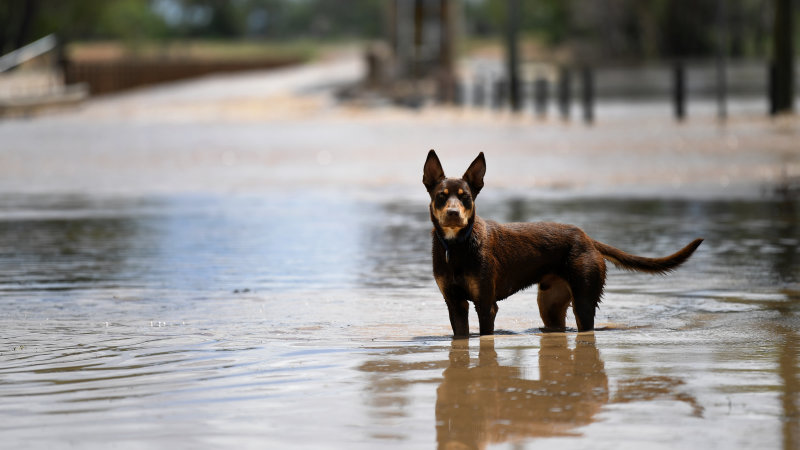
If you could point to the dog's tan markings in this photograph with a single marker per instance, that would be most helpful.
(460, 192)
(473, 287)
(450, 225)
(441, 282)
(451, 232)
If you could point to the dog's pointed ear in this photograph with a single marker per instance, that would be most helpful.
(474, 175)
(432, 173)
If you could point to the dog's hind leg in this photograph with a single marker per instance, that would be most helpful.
(554, 299)
(586, 282)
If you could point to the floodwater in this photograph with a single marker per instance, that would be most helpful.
(311, 320)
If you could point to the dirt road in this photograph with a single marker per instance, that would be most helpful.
(269, 130)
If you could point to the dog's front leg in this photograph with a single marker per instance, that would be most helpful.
(459, 315)
(457, 305)
(481, 292)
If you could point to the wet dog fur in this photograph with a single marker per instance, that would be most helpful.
(484, 261)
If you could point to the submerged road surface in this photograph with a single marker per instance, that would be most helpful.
(240, 261)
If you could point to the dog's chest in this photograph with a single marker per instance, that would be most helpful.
(456, 279)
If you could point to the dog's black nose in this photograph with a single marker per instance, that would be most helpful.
(452, 212)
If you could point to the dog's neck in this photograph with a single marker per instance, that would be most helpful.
(460, 237)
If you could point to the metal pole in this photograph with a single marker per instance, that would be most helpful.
(478, 93)
(772, 89)
(679, 90)
(446, 49)
(541, 91)
(564, 92)
(512, 27)
(587, 94)
(419, 18)
(458, 92)
(784, 56)
(499, 93)
(722, 54)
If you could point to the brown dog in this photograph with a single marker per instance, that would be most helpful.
(483, 261)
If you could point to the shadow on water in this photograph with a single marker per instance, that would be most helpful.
(46, 249)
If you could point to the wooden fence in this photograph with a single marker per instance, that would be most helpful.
(111, 76)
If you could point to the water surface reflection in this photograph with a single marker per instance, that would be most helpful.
(238, 320)
(488, 396)
(488, 402)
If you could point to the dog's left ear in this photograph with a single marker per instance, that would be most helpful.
(474, 175)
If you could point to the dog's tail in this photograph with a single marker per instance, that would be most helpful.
(650, 265)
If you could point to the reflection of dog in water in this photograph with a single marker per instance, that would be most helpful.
(483, 403)
(488, 402)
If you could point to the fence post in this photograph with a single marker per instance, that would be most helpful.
(458, 92)
(783, 52)
(564, 92)
(587, 94)
(499, 93)
(772, 91)
(442, 95)
(679, 90)
(540, 95)
(512, 58)
(722, 52)
(478, 92)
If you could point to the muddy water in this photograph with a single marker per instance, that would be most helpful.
(311, 320)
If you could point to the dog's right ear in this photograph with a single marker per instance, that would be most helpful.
(432, 173)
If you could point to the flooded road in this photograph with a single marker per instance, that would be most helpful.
(311, 320)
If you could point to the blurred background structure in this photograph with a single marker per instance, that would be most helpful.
(550, 61)
(486, 53)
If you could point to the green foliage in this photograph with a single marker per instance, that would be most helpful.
(135, 21)
(132, 21)
(550, 20)
(627, 29)
(279, 19)
(633, 29)
(127, 20)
